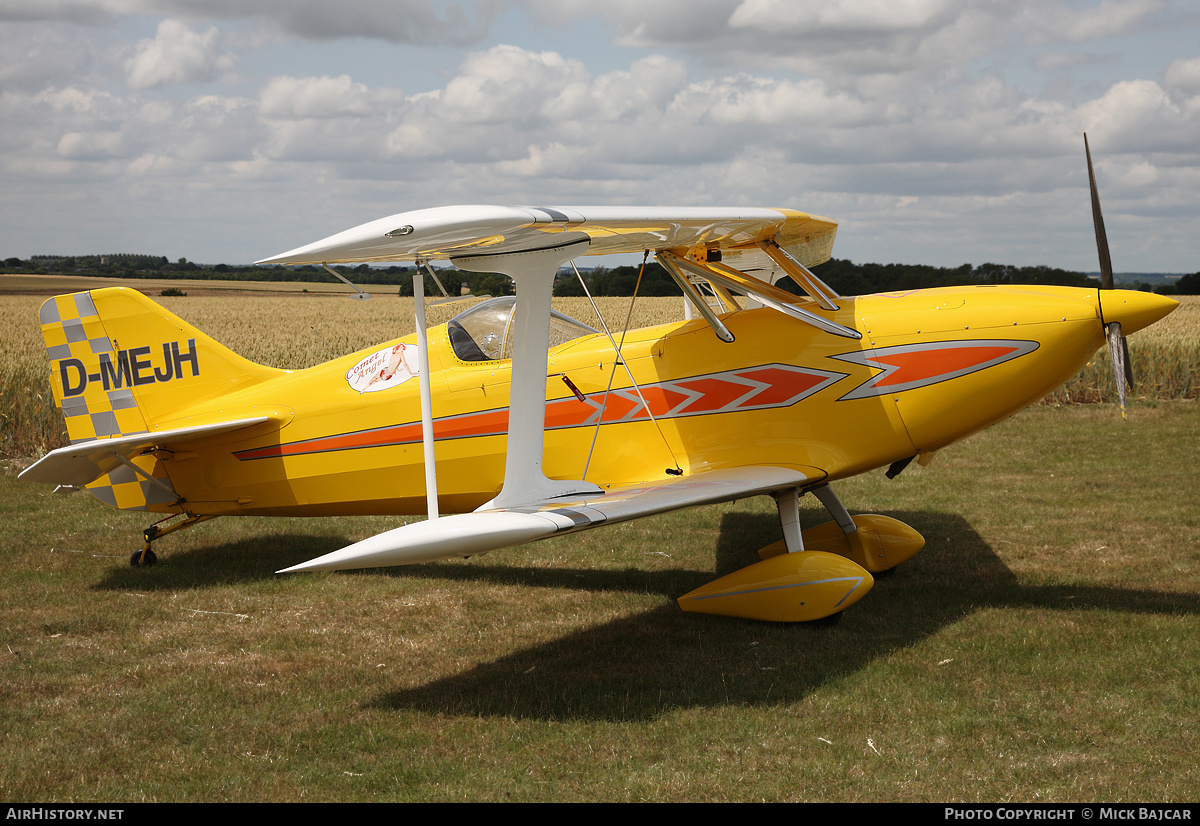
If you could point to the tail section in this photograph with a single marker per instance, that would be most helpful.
(88, 386)
(122, 365)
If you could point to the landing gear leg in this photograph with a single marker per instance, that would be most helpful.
(877, 543)
(788, 502)
(835, 507)
(146, 557)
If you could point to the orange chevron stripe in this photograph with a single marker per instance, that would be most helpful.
(751, 389)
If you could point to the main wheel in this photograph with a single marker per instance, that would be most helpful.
(825, 622)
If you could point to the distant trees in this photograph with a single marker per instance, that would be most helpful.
(619, 281)
(843, 275)
(1188, 284)
(477, 283)
(849, 278)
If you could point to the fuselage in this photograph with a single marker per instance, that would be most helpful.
(932, 367)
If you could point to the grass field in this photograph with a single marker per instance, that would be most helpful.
(1043, 647)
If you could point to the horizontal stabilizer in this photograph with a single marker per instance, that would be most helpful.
(77, 465)
(476, 533)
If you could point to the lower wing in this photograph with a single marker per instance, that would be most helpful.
(489, 530)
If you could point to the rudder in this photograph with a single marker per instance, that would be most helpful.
(77, 345)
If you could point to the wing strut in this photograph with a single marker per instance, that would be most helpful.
(533, 272)
(670, 263)
(446, 297)
(773, 297)
(835, 507)
(804, 278)
(431, 498)
(361, 294)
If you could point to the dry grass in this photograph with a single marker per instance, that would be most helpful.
(299, 331)
(1165, 359)
(1041, 649)
(30, 424)
(291, 332)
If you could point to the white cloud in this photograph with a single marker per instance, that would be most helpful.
(849, 16)
(507, 83)
(431, 22)
(209, 129)
(649, 85)
(292, 98)
(90, 146)
(177, 54)
(755, 101)
(1139, 116)
(900, 119)
(1070, 22)
(32, 56)
(873, 47)
(1183, 75)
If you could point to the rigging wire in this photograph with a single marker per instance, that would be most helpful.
(620, 358)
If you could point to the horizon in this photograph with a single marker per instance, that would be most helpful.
(582, 268)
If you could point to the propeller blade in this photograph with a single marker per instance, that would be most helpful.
(1117, 345)
(1106, 273)
(1118, 350)
(1128, 364)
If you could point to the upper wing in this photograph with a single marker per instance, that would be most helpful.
(529, 244)
(476, 533)
(453, 232)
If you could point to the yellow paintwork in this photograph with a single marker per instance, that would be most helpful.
(841, 436)
(796, 587)
(880, 543)
(1135, 310)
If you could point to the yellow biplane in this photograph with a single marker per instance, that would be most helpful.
(528, 424)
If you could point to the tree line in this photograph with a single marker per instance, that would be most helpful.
(842, 275)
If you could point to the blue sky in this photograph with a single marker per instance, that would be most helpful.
(934, 131)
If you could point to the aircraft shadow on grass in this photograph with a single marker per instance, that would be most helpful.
(253, 559)
(649, 663)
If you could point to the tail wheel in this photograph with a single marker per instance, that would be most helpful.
(143, 558)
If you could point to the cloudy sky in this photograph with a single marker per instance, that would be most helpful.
(934, 131)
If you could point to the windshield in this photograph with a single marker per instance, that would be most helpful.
(485, 331)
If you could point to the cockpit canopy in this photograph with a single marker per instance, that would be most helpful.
(485, 331)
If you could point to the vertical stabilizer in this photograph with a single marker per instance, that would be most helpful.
(120, 365)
